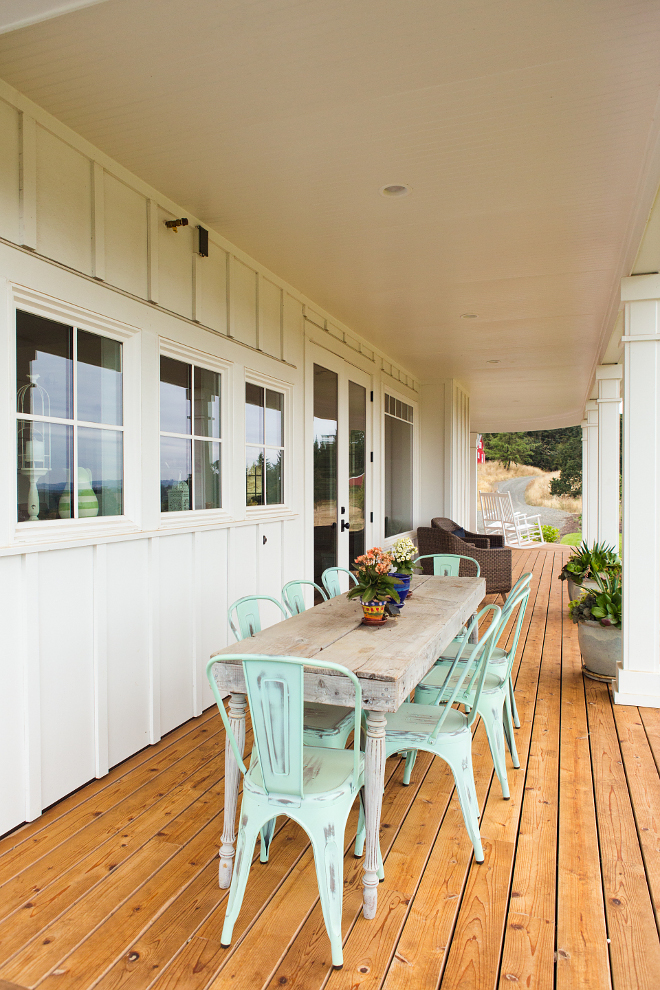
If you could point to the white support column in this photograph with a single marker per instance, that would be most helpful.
(608, 377)
(590, 472)
(638, 678)
(474, 487)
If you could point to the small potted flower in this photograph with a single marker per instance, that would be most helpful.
(598, 617)
(403, 553)
(374, 585)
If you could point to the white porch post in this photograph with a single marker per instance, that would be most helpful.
(473, 493)
(590, 472)
(638, 678)
(608, 377)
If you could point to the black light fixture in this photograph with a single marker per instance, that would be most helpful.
(175, 224)
(203, 242)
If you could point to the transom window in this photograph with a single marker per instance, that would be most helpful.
(264, 439)
(398, 466)
(70, 449)
(190, 439)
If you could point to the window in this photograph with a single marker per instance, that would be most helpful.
(398, 466)
(69, 421)
(190, 438)
(264, 439)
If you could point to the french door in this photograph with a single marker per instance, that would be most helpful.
(340, 430)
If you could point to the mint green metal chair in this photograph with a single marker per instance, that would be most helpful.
(492, 703)
(315, 787)
(330, 579)
(439, 729)
(292, 595)
(448, 564)
(325, 725)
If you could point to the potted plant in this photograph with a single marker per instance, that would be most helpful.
(374, 585)
(597, 613)
(403, 553)
(585, 563)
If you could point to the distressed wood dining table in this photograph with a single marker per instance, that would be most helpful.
(389, 662)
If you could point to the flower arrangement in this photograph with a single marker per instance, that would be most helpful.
(403, 553)
(374, 584)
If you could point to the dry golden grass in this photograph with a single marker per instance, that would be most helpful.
(492, 472)
(538, 493)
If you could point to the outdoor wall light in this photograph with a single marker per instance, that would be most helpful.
(175, 224)
(202, 242)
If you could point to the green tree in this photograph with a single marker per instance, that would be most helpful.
(569, 481)
(510, 448)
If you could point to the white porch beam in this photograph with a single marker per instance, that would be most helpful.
(473, 487)
(590, 472)
(608, 377)
(638, 678)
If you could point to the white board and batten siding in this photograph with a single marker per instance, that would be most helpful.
(107, 623)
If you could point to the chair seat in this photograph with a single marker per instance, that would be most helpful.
(498, 655)
(327, 718)
(418, 721)
(325, 771)
(436, 679)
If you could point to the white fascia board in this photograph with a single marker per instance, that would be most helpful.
(15, 14)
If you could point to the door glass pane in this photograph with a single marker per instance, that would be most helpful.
(398, 476)
(274, 418)
(207, 403)
(254, 413)
(174, 396)
(207, 475)
(254, 476)
(100, 472)
(274, 472)
(45, 453)
(44, 359)
(357, 426)
(99, 380)
(175, 474)
(325, 470)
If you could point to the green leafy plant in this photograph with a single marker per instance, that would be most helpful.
(550, 534)
(403, 553)
(588, 562)
(374, 583)
(603, 604)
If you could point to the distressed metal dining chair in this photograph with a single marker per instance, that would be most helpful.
(444, 731)
(293, 598)
(330, 579)
(448, 564)
(315, 787)
(493, 702)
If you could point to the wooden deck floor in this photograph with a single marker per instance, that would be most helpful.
(116, 886)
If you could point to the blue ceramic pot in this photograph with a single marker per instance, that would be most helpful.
(402, 582)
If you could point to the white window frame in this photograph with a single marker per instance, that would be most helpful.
(386, 389)
(193, 518)
(253, 512)
(40, 531)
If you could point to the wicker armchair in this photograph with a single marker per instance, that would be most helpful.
(495, 563)
(477, 539)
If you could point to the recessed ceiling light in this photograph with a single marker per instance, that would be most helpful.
(468, 316)
(395, 190)
(494, 361)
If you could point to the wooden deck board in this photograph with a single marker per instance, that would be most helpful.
(115, 888)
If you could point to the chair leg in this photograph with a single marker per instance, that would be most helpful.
(247, 836)
(461, 768)
(361, 829)
(267, 833)
(329, 861)
(491, 715)
(514, 710)
(508, 732)
(411, 757)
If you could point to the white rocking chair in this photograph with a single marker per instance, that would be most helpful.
(499, 517)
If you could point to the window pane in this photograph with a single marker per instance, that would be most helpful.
(175, 474)
(44, 470)
(254, 413)
(174, 396)
(274, 473)
(398, 476)
(207, 475)
(207, 403)
(325, 470)
(100, 472)
(274, 418)
(43, 366)
(254, 476)
(357, 425)
(99, 380)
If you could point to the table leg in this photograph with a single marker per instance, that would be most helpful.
(237, 706)
(374, 774)
(474, 635)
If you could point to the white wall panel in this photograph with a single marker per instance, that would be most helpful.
(269, 557)
(242, 562)
(66, 645)
(12, 701)
(175, 266)
(176, 659)
(127, 653)
(243, 303)
(210, 603)
(211, 289)
(64, 202)
(270, 317)
(125, 221)
(9, 152)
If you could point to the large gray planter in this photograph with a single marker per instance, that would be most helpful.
(601, 649)
(575, 590)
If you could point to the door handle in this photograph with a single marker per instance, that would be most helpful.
(345, 525)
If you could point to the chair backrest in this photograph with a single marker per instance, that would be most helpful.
(497, 507)
(246, 620)
(469, 674)
(516, 599)
(448, 564)
(275, 689)
(330, 578)
(293, 598)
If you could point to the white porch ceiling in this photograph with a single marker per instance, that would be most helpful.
(527, 131)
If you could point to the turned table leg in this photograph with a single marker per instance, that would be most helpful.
(237, 706)
(374, 779)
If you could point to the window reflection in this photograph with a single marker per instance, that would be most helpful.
(264, 437)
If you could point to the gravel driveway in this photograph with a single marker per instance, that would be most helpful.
(517, 487)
